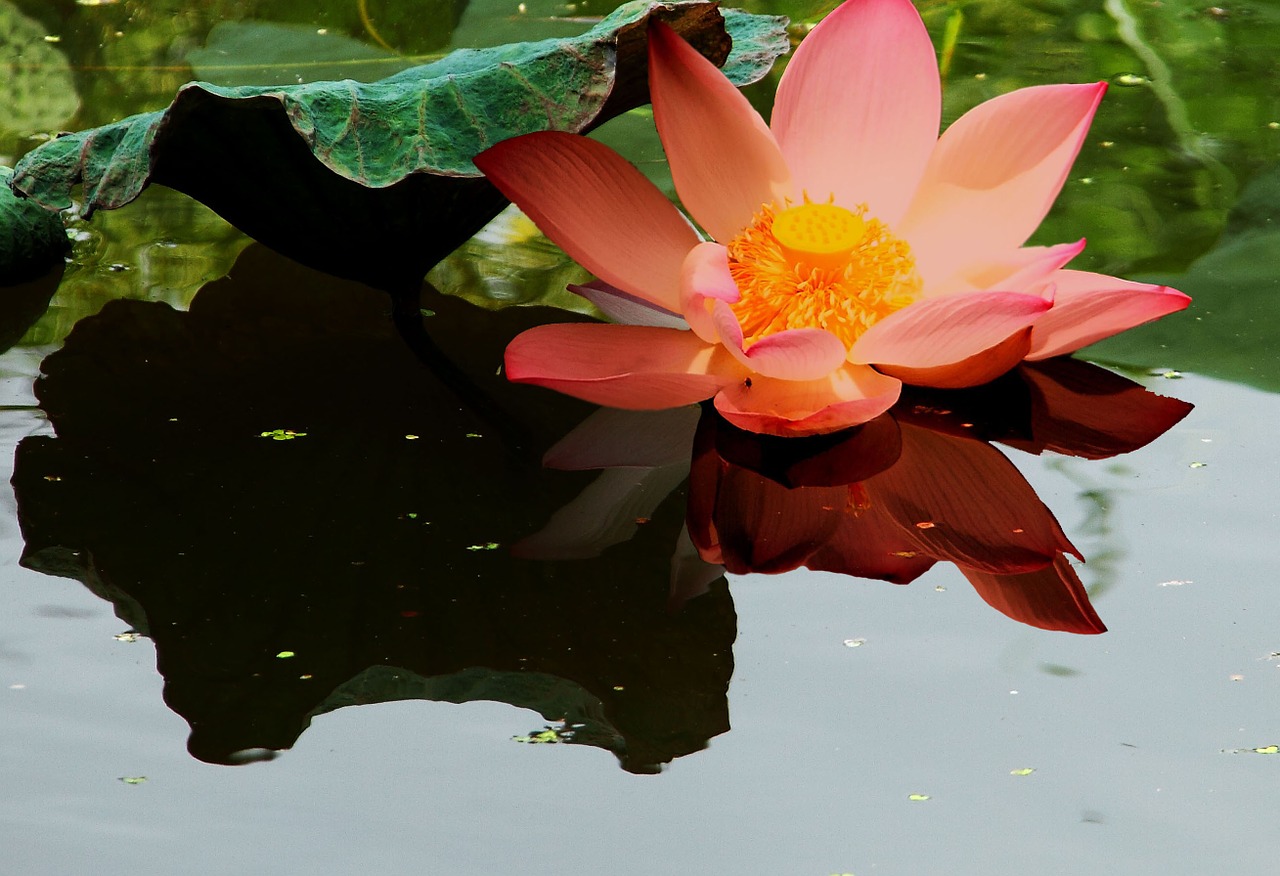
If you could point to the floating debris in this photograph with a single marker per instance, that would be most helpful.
(285, 655)
(282, 434)
(133, 780)
(1266, 749)
(1176, 582)
(918, 798)
(854, 643)
(488, 546)
(1198, 465)
(130, 636)
(1024, 771)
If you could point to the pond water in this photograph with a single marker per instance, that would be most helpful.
(280, 593)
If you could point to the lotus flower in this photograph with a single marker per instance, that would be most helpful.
(838, 252)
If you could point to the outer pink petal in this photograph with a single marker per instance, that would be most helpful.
(705, 279)
(622, 366)
(943, 331)
(994, 175)
(597, 208)
(1089, 307)
(858, 107)
(849, 396)
(627, 309)
(1023, 270)
(724, 160)
(794, 354)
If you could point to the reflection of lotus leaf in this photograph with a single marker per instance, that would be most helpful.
(37, 91)
(365, 558)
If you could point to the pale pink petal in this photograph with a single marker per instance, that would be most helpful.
(627, 309)
(943, 331)
(597, 208)
(849, 396)
(975, 370)
(1051, 599)
(793, 354)
(1023, 270)
(858, 107)
(705, 279)
(994, 175)
(724, 160)
(623, 366)
(612, 438)
(1089, 307)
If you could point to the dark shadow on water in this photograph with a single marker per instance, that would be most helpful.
(302, 517)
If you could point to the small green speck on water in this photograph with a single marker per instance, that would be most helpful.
(490, 546)
(425, 312)
(282, 434)
(917, 798)
(285, 655)
(1198, 464)
(474, 435)
(133, 780)
(412, 515)
(544, 737)
(1268, 749)
(1025, 771)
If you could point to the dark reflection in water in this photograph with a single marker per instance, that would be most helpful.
(303, 516)
(924, 484)
(274, 474)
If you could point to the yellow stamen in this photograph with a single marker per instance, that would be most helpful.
(819, 265)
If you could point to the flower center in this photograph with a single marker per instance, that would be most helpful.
(818, 266)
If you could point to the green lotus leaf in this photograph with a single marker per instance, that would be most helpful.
(374, 181)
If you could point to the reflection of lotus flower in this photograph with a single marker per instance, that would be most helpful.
(844, 236)
(885, 500)
(894, 497)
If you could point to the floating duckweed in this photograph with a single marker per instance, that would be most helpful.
(490, 546)
(918, 798)
(1024, 771)
(281, 434)
(285, 655)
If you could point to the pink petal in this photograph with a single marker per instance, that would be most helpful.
(705, 279)
(851, 395)
(858, 107)
(1051, 599)
(994, 175)
(623, 366)
(627, 309)
(597, 208)
(1089, 307)
(793, 354)
(1023, 270)
(724, 160)
(944, 331)
(975, 370)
